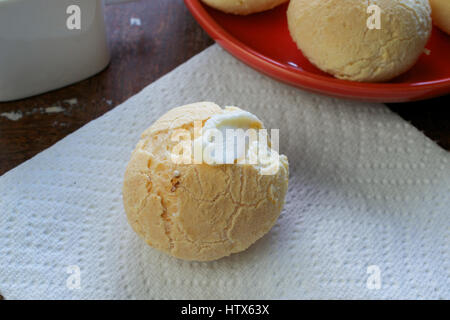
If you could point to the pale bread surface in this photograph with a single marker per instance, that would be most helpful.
(334, 36)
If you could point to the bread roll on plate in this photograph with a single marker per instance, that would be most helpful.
(335, 36)
(243, 7)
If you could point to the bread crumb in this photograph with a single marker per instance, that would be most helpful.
(72, 102)
(54, 109)
(13, 115)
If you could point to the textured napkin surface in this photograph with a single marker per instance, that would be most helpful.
(366, 189)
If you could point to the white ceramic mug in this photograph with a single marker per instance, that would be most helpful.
(49, 44)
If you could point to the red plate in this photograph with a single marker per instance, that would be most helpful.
(262, 41)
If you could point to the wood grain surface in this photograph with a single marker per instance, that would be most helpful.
(166, 37)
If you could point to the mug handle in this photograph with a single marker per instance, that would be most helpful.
(117, 1)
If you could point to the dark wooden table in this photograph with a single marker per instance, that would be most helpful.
(167, 36)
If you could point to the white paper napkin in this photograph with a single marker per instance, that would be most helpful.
(368, 203)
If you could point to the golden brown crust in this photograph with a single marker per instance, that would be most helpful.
(197, 211)
(180, 116)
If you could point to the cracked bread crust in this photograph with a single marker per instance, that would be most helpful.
(335, 37)
(243, 7)
(196, 211)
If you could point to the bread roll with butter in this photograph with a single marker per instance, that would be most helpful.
(201, 211)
